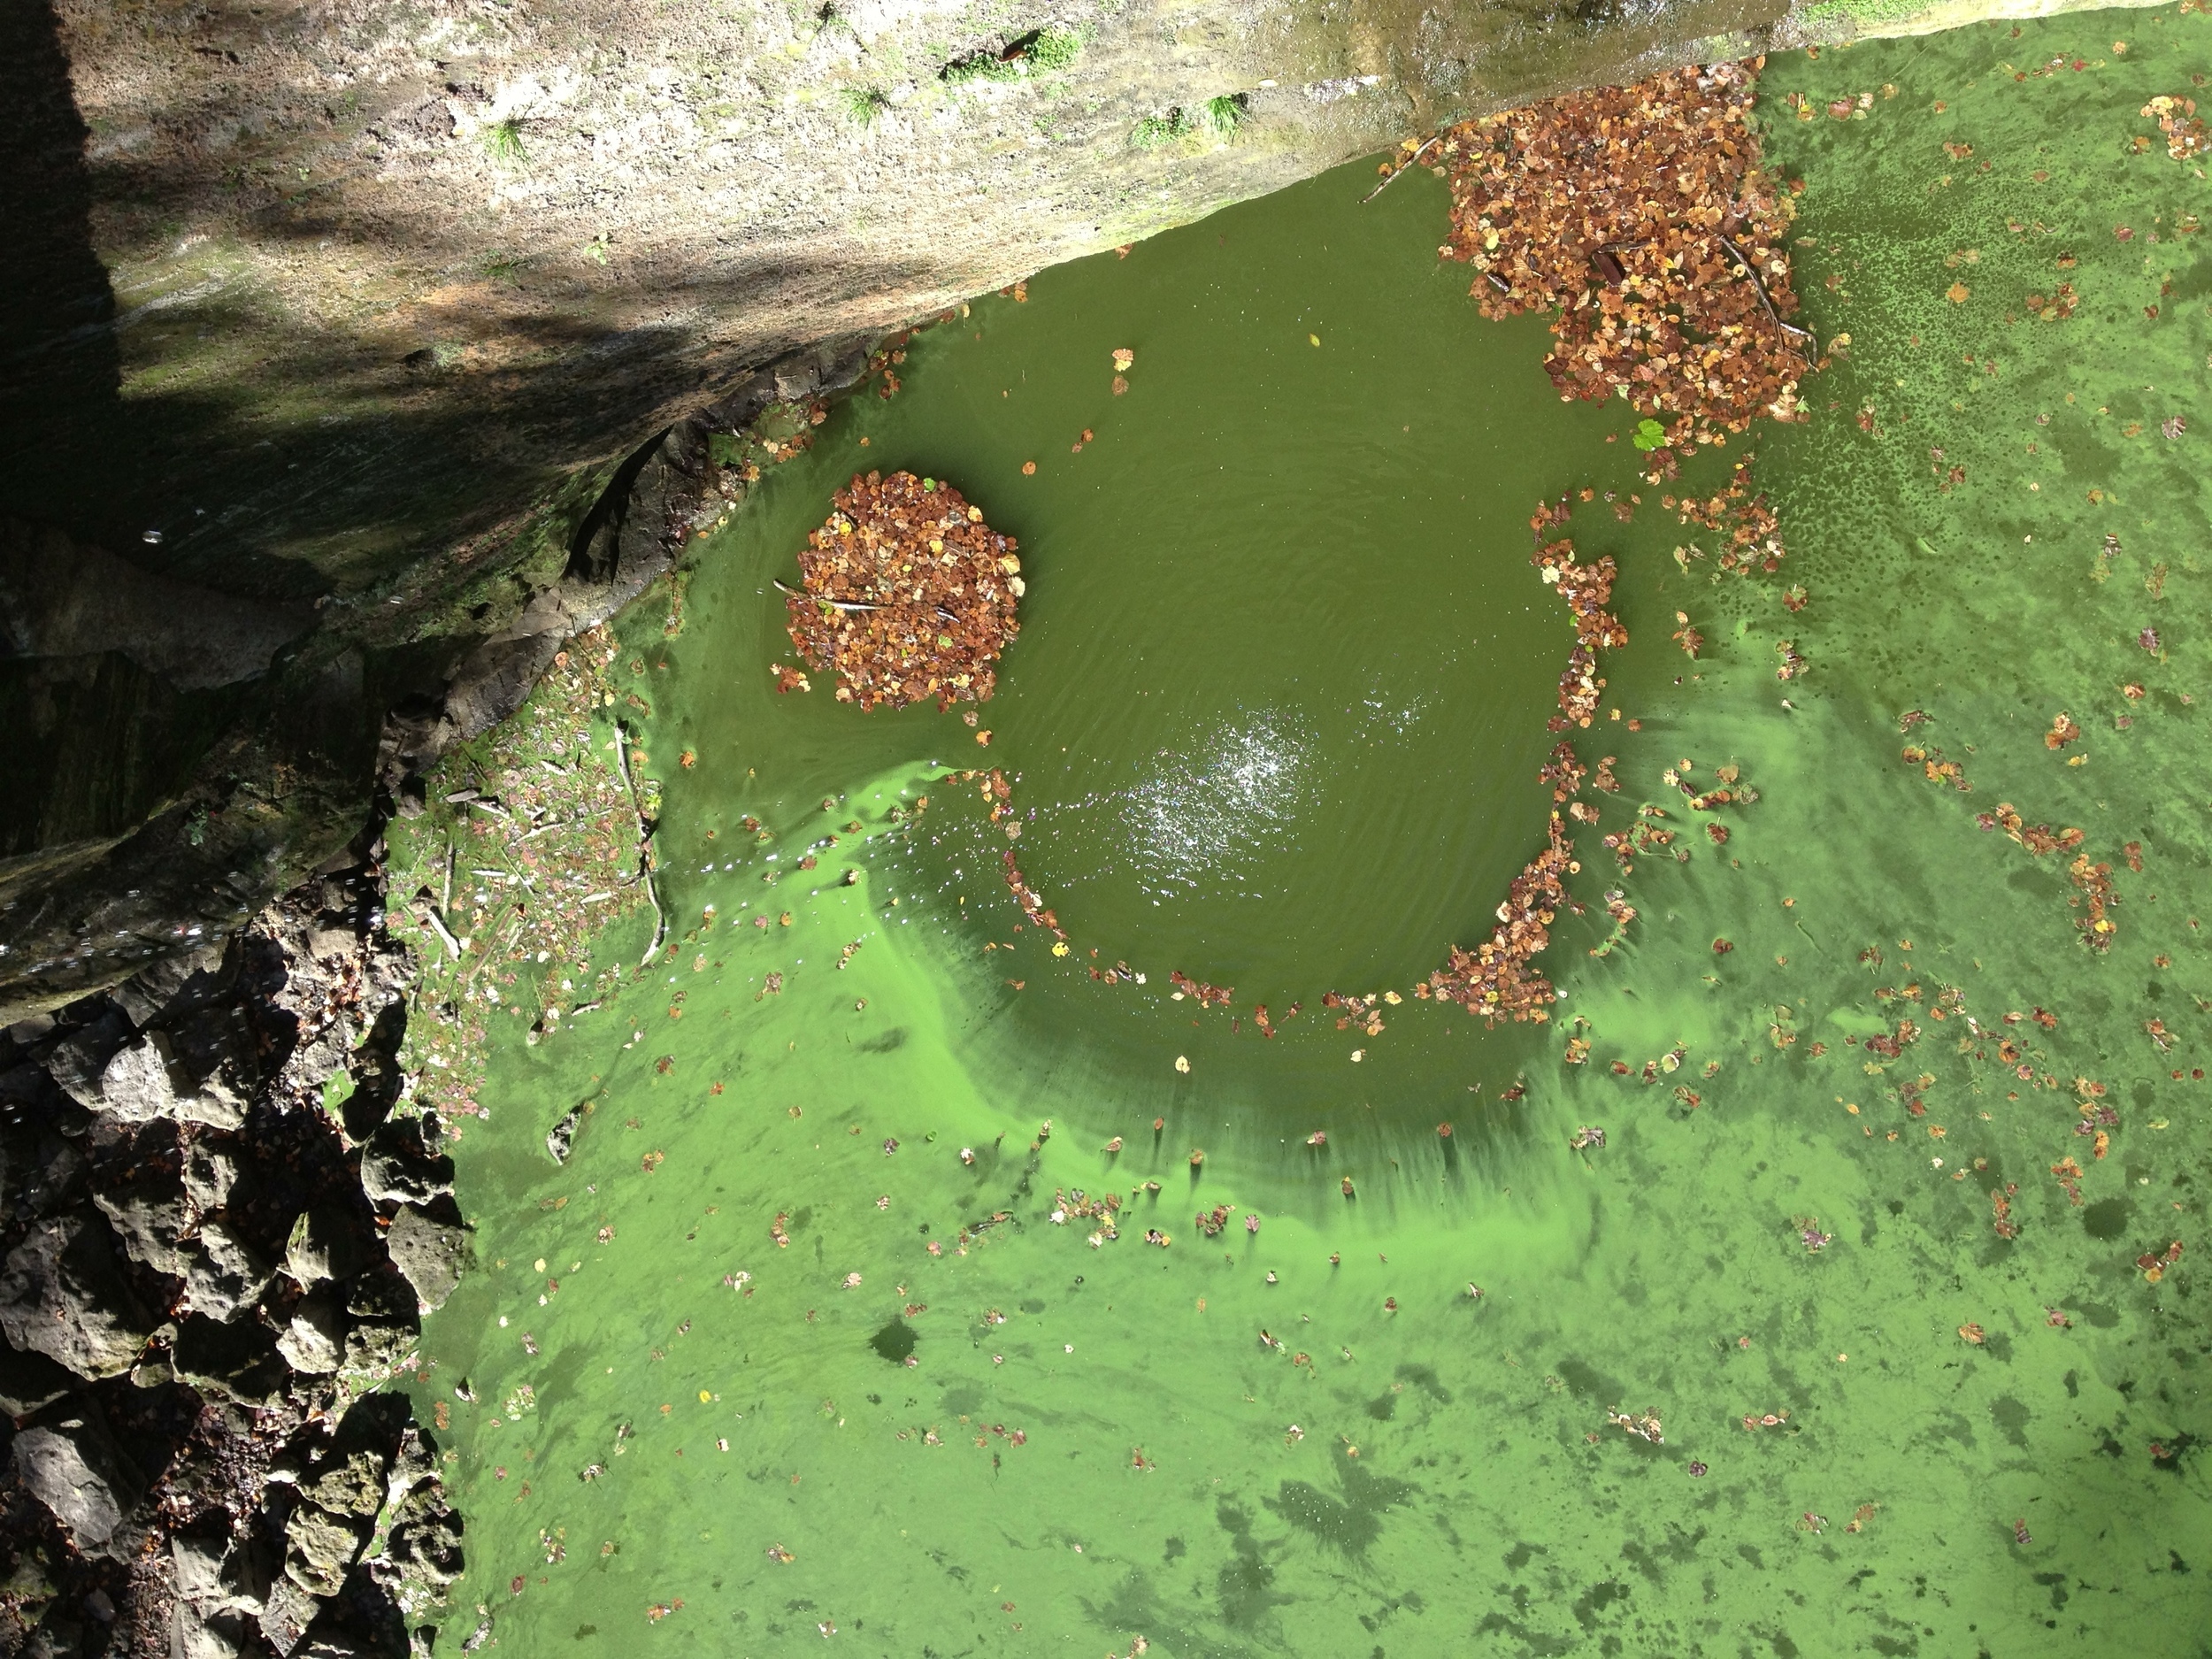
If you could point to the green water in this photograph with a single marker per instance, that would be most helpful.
(1302, 573)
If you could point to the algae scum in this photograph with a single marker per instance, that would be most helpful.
(1862, 1327)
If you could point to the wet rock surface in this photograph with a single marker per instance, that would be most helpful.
(201, 1318)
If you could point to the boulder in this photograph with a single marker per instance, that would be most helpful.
(209, 1172)
(71, 1463)
(78, 1060)
(374, 1347)
(560, 1140)
(327, 1242)
(351, 1482)
(397, 1167)
(348, 1475)
(142, 1080)
(215, 1103)
(312, 1343)
(193, 1635)
(156, 994)
(225, 1275)
(149, 1214)
(428, 1251)
(61, 1295)
(424, 1543)
(196, 1562)
(249, 1572)
(237, 1361)
(320, 1546)
(28, 1381)
(286, 1614)
(41, 1172)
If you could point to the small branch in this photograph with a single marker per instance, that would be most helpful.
(1760, 288)
(839, 604)
(1400, 168)
(644, 840)
(844, 604)
(444, 933)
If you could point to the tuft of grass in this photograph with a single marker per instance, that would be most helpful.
(1156, 131)
(1222, 116)
(1216, 118)
(503, 143)
(1053, 50)
(863, 104)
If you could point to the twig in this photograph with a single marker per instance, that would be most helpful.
(445, 935)
(644, 840)
(1395, 170)
(843, 604)
(1760, 288)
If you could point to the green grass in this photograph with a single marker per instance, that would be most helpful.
(503, 143)
(1216, 118)
(1222, 116)
(863, 104)
(1049, 50)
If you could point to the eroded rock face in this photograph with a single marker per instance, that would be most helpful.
(119, 1200)
(142, 1082)
(428, 1252)
(61, 1295)
(224, 1276)
(71, 1463)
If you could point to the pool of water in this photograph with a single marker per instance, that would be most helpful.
(819, 1340)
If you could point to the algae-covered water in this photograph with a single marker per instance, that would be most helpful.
(811, 1338)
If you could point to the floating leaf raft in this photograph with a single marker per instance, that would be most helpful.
(908, 594)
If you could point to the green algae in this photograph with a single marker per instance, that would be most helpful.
(1229, 1465)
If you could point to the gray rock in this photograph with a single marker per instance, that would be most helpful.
(312, 1343)
(196, 1562)
(149, 1214)
(560, 1141)
(61, 1295)
(250, 1571)
(172, 985)
(142, 1080)
(232, 1362)
(58, 1636)
(286, 1614)
(327, 1243)
(78, 1060)
(225, 1276)
(71, 1463)
(424, 1543)
(193, 1635)
(319, 1546)
(215, 1103)
(397, 1168)
(28, 1381)
(428, 1251)
(374, 1347)
(412, 1462)
(41, 1172)
(350, 1482)
(209, 1172)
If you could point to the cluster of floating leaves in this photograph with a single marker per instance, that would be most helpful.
(2185, 128)
(907, 595)
(1495, 979)
(1641, 215)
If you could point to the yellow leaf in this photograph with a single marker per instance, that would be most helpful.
(1956, 293)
